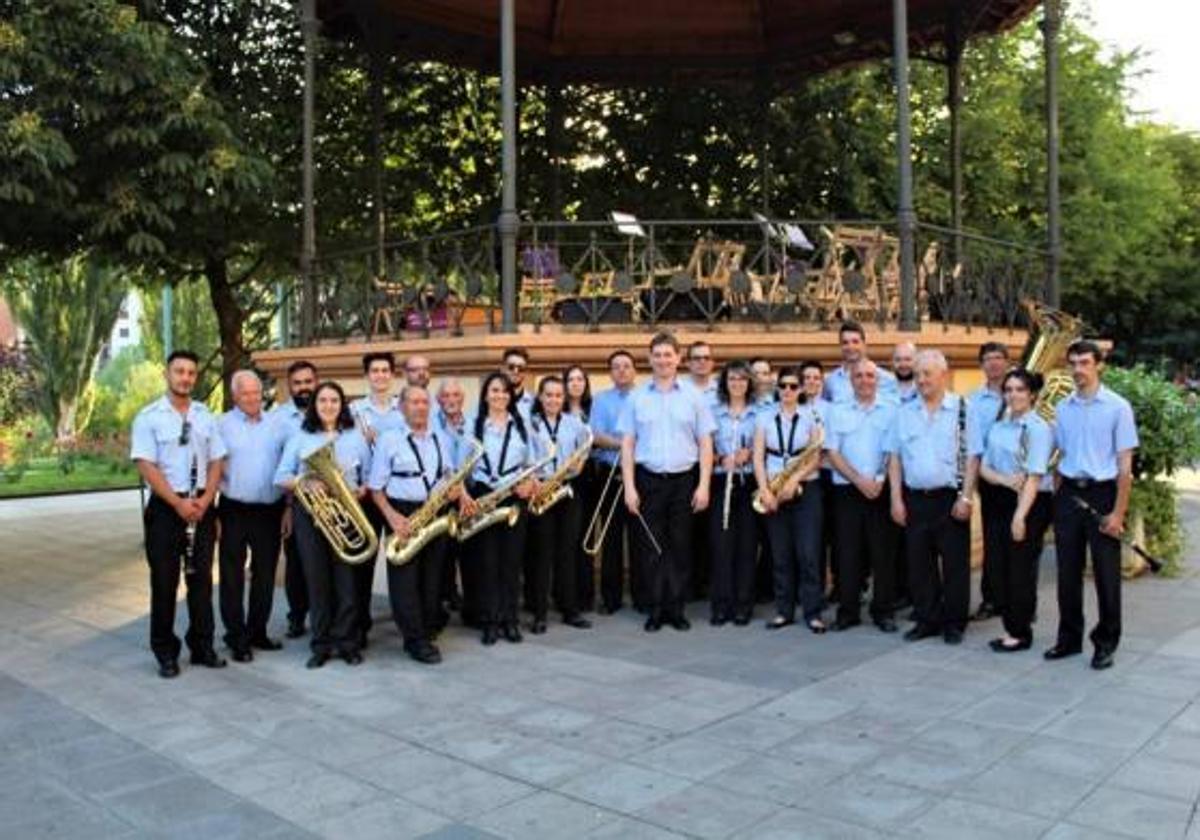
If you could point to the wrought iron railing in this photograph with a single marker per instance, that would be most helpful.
(590, 275)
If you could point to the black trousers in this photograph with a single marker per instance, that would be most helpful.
(996, 532)
(829, 566)
(414, 589)
(612, 560)
(587, 485)
(166, 536)
(666, 505)
(333, 604)
(294, 584)
(450, 590)
(1015, 573)
(702, 556)
(252, 528)
(364, 573)
(734, 551)
(938, 548)
(551, 538)
(1074, 533)
(864, 540)
(796, 545)
(494, 558)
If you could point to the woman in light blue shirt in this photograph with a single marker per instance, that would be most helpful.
(331, 589)
(1016, 461)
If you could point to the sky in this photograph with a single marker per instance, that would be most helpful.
(1166, 32)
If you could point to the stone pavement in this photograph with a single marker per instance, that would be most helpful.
(608, 733)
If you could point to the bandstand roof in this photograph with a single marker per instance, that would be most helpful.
(647, 41)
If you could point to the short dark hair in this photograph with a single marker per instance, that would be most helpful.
(758, 359)
(809, 363)
(369, 359)
(516, 351)
(664, 337)
(1029, 378)
(1084, 346)
(992, 347)
(616, 354)
(734, 367)
(186, 355)
(299, 365)
(696, 344)
(852, 327)
(312, 422)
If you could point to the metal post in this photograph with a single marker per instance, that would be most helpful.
(283, 325)
(168, 319)
(508, 223)
(554, 126)
(378, 198)
(1051, 23)
(954, 50)
(308, 248)
(763, 92)
(906, 216)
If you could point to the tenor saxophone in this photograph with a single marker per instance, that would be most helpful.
(802, 461)
(555, 488)
(491, 508)
(425, 525)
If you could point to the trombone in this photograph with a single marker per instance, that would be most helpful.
(597, 530)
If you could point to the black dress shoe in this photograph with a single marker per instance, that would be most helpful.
(512, 634)
(985, 611)
(490, 636)
(681, 624)
(845, 624)
(363, 642)
(779, 622)
(295, 629)
(209, 659)
(1102, 659)
(1061, 651)
(919, 631)
(317, 660)
(266, 643)
(886, 625)
(718, 621)
(352, 657)
(577, 621)
(423, 652)
(242, 654)
(952, 637)
(653, 624)
(168, 668)
(538, 627)
(999, 646)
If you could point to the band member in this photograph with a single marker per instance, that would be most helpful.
(931, 482)
(666, 466)
(812, 387)
(904, 359)
(553, 535)
(332, 597)
(405, 465)
(579, 403)
(855, 442)
(794, 516)
(417, 371)
(301, 382)
(251, 515)
(516, 362)
(838, 387)
(764, 399)
(986, 403)
(1015, 462)
(451, 421)
(700, 374)
(606, 450)
(494, 555)
(700, 370)
(178, 451)
(764, 382)
(1095, 431)
(732, 529)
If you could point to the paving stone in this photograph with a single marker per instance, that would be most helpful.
(1030, 790)
(1160, 777)
(873, 802)
(382, 819)
(705, 811)
(467, 793)
(1134, 814)
(953, 819)
(545, 816)
(624, 787)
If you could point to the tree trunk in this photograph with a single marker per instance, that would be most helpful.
(230, 321)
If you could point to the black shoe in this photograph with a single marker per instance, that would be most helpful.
(984, 612)
(295, 629)
(537, 628)
(1061, 651)
(209, 659)
(741, 620)
(242, 654)
(779, 622)
(490, 636)
(817, 626)
(718, 620)
(577, 621)
(511, 633)
(952, 637)
(999, 646)
(423, 652)
(317, 660)
(886, 625)
(845, 624)
(168, 668)
(352, 657)
(653, 624)
(266, 643)
(919, 631)
(681, 624)
(1102, 659)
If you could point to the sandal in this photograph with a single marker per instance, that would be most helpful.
(817, 626)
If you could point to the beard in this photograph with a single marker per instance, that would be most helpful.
(302, 399)
(904, 377)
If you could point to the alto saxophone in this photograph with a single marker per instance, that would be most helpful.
(802, 461)
(491, 510)
(425, 525)
(555, 488)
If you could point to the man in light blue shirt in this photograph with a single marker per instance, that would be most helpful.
(516, 363)
(904, 360)
(700, 369)
(251, 515)
(451, 421)
(377, 412)
(666, 464)
(838, 387)
(1095, 432)
(985, 404)
(179, 454)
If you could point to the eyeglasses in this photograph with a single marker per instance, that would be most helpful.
(700, 359)
(185, 434)
(789, 386)
(515, 367)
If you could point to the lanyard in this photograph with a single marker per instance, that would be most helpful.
(487, 462)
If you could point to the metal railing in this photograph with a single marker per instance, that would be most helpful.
(593, 275)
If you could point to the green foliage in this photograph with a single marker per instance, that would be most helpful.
(1168, 424)
(193, 326)
(16, 386)
(1158, 503)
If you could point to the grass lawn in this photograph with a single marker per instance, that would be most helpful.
(44, 476)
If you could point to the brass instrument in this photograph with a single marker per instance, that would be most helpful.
(334, 509)
(804, 460)
(1051, 332)
(555, 488)
(491, 510)
(597, 529)
(424, 525)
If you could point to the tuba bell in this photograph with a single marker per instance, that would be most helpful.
(1051, 332)
(335, 510)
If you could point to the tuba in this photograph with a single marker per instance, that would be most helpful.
(555, 488)
(1051, 332)
(425, 525)
(334, 509)
(803, 460)
(491, 510)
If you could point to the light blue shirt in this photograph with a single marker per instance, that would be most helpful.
(525, 405)
(607, 407)
(1090, 433)
(505, 452)
(764, 401)
(366, 413)
(452, 435)
(567, 435)
(253, 450)
(839, 389)
(289, 416)
(666, 426)
(350, 450)
(859, 434)
(928, 445)
(906, 391)
(984, 406)
(786, 437)
(709, 392)
(406, 464)
(157, 430)
(1003, 445)
(734, 433)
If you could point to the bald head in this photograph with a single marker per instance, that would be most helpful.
(904, 360)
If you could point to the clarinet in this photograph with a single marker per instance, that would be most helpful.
(961, 465)
(189, 544)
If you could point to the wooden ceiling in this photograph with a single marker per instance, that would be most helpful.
(651, 41)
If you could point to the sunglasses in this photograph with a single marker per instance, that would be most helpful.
(515, 367)
(185, 434)
(789, 386)
(700, 359)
